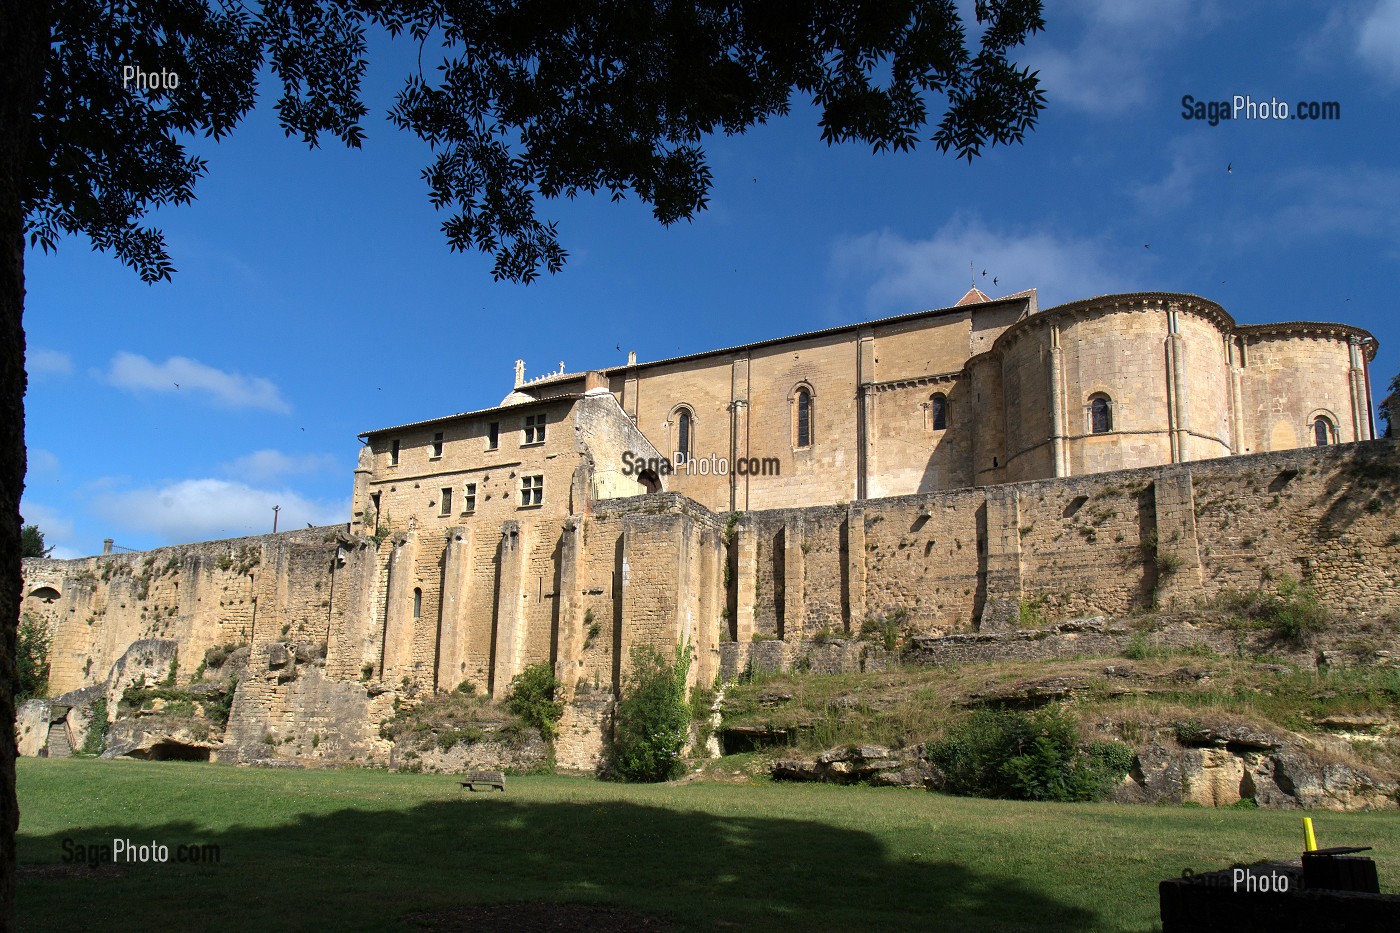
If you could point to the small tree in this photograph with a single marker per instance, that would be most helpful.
(32, 542)
(31, 658)
(653, 718)
(1389, 408)
(532, 699)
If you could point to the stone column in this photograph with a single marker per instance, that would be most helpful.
(1057, 402)
(1178, 549)
(1002, 560)
(456, 582)
(865, 414)
(712, 600)
(794, 579)
(509, 638)
(855, 567)
(1360, 411)
(396, 659)
(738, 434)
(571, 627)
(1176, 388)
(1237, 426)
(747, 573)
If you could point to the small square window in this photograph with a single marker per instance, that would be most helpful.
(437, 445)
(493, 435)
(393, 453)
(469, 499)
(534, 429)
(446, 500)
(531, 490)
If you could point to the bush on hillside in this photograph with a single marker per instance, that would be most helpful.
(532, 699)
(653, 718)
(1027, 756)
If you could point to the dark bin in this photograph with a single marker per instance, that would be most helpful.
(1338, 869)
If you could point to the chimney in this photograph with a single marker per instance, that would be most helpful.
(106, 545)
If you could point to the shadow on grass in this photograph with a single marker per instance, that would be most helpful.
(362, 870)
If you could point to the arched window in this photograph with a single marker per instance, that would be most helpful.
(417, 603)
(802, 430)
(1323, 432)
(1100, 414)
(938, 411)
(684, 428)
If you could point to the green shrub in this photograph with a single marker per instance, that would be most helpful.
(95, 743)
(1031, 613)
(532, 699)
(31, 658)
(885, 630)
(1027, 756)
(219, 654)
(653, 718)
(1291, 613)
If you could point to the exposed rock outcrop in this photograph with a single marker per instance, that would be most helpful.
(855, 764)
(1220, 766)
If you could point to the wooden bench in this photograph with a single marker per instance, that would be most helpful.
(485, 778)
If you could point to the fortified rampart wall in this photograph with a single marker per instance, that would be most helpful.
(581, 593)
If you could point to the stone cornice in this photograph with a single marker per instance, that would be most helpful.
(914, 382)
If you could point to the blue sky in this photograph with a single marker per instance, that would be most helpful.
(316, 297)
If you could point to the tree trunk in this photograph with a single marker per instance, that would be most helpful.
(24, 45)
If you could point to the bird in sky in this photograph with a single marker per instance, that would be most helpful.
(177, 385)
(984, 273)
(1230, 169)
(1147, 246)
(995, 280)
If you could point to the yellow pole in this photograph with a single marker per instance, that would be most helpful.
(1309, 841)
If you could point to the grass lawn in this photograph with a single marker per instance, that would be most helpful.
(357, 850)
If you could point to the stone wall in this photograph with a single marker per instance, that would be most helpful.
(337, 632)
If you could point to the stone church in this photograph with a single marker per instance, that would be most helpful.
(986, 392)
(947, 468)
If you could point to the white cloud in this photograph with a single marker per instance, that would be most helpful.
(262, 465)
(899, 275)
(1354, 201)
(1378, 39)
(42, 465)
(47, 362)
(58, 531)
(55, 527)
(1189, 162)
(201, 509)
(1112, 65)
(182, 374)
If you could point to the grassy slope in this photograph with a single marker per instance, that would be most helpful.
(903, 707)
(356, 850)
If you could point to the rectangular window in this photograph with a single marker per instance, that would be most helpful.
(531, 490)
(447, 500)
(469, 499)
(437, 445)
(393, 453)
(493, 435)
(534, 429)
